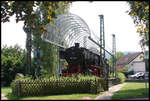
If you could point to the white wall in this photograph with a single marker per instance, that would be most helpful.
(137, 65)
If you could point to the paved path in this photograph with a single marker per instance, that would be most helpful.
(107, 95)
(3, 97)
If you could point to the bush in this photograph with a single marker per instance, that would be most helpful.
(121, 77)
(111, 75)
(17, 78)
(13, 61)
(126, 73)
(61, 85)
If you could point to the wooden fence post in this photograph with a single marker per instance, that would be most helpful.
(19, 87)
(96, 86)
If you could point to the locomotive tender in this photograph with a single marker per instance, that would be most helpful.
(80, 61)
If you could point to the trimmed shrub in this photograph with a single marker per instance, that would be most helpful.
(121, 77)
(61, 85)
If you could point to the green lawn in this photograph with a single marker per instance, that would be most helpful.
(61, 97)
(7, 92)
(132, 90)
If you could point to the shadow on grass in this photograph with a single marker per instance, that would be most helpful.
(134, 93)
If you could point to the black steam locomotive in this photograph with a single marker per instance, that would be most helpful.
(80, 61)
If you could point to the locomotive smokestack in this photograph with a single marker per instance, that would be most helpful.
(77, 45)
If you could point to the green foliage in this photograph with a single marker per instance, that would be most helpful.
(126, 72)
(13, 84)
(50, 59)
(26, 77)
(121, 77)
(118, 56)
(139, 11)
(25, 10)
(13, 61)
(111, 75)
(61, 85)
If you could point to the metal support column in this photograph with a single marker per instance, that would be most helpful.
(114, 55)
(28, 47)
(102, 43)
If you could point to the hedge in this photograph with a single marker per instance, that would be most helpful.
(58, 86)
(121, 77)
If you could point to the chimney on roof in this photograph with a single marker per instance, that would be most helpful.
(77, 45)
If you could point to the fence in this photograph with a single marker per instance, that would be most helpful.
(112, 82)
(45, 87)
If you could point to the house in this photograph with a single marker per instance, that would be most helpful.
(133, 62)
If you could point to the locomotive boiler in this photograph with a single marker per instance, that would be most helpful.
(80, 61)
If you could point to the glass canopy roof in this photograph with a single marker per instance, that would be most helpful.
(67, 30)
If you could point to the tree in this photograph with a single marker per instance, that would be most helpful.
(50, 58)
(118, 56)
(110, 60)
(25, 10)
(13, 62)
(139, 11)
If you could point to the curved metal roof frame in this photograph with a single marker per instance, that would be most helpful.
(68, 22)
(71, 17)
(68, 29)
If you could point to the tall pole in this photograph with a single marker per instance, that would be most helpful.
(114, 54)
(101, 17)
(28, 47)
(102, 42)
(102, 51)
(103, 37)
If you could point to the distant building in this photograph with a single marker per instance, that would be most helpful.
(133, 61)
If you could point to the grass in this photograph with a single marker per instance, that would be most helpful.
(61, 97)
(132, 90)
(7, 91)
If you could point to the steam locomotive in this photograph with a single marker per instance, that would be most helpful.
(81, 61)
